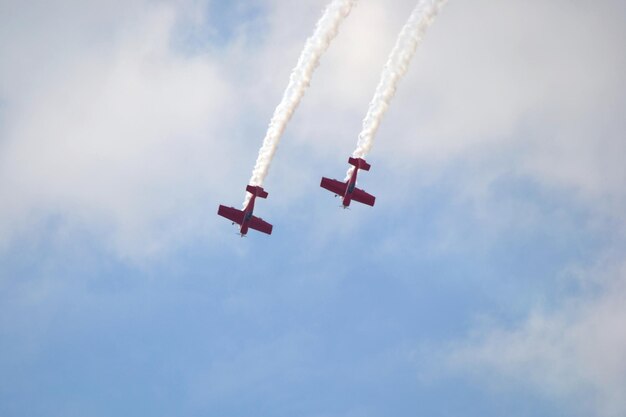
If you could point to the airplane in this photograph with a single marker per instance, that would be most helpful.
(244, 217)
(348, 189)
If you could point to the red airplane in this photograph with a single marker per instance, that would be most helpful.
(244, 217)
(348, 189)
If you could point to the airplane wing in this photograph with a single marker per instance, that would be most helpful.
(334, 186)
(260, 225)
(231, 214)
(363, 197)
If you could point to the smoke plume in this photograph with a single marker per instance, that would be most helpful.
(397, 65)
(325, 31)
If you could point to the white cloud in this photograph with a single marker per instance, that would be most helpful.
(121, 135)
(537, 80)
(111, 128)
(573, 355)
(533, 85)
(108, 127)
(120, 138)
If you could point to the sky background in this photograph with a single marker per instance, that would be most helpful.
(488, 280)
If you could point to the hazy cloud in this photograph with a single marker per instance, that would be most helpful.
(111, 127)
(572, 355)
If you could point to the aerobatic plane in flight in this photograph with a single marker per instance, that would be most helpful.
(244, 217)
(348, 189)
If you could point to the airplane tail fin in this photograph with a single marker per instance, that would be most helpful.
(257, 190)
(359, 163)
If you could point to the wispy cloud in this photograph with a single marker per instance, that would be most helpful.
(571, 354)
(116, 136)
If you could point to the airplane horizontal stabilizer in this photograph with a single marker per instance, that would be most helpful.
(257, 191)
(359, 163)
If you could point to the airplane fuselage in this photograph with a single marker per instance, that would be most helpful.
(248, 213)
(347, 197)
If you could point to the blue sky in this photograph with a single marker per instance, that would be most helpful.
(487, 280)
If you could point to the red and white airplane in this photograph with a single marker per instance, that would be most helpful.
(348, 189)
(244, 217)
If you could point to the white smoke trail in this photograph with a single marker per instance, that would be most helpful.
(397, 65)
(325, 31)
